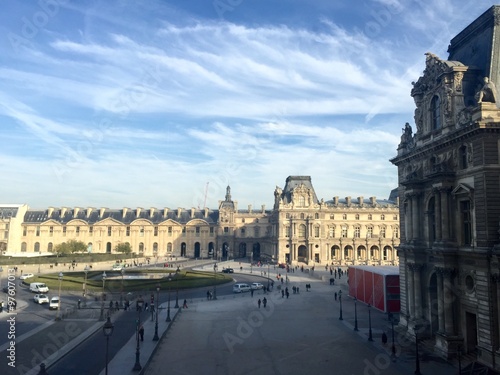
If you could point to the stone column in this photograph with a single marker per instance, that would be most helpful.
(440, 297)
(341, 254)
(408, 218)
(437, 210)
(449, 298)
(417, 290)
(411, 290)
(415, 219)
(445, 219)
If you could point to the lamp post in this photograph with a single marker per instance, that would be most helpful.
(102, 297)
(137, 365)
(168, 303)
(58, 315)
(121, 294)
(215, 281)
(393, 348)
(417, 358)
(155, 337)
(107, 329)
(176, 290)
(355, 314)
(370, 337)
(86, 271)
(340, 300)
(268, 263)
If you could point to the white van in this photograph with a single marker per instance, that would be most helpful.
(241, 287)
(39, 288)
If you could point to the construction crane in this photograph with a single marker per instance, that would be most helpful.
(206, 193)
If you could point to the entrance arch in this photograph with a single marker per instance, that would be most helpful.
(256, 252)
(197, 250)
(302, 254)
(108, 248)
(242, 250)
(183, 249)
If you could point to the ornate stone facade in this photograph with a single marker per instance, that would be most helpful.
(299, 228)
(450, 198)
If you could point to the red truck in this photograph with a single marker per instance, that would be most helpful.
(376, 285)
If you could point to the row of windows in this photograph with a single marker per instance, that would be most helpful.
(301, 233)
(344, 216)
(110, 231)
(50, 247)
(361, 253)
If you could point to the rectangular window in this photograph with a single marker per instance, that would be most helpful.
(243, 232)
(316, 232)
(169, 231)
(197, 230)
(6, 226)
(155, 232)
(141, 231)
(344, 231)
(211, 231)
(331, 232)
(51, 231)
(359, 253)
(38, 231)
(357, 232)
(5, 235)
(226, 229)
(24, 231)
(127, 231)
(184, 231)
(382, 232)
(77, 231)
(91, 230)
(64, 230)
(369, 232)
(109, 231)
(465, 215)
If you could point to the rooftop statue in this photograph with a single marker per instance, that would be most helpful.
(488, 93)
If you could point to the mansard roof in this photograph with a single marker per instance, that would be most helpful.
(293, 182)
(9, 210)
(125, 216)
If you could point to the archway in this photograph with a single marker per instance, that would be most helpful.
(211, 248)
(302, 254)
(108, 247)
(256, 252)
(183, 249)
(242, 250)
(225, 250)
(197, 250)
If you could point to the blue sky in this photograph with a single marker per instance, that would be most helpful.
(165, 103)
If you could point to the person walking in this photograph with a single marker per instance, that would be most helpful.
(258, 302)
(185, 305)
(264, 302)
(384, 338)
(141, 332)
(335, 296)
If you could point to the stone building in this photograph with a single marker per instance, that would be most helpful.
(299, 228)
(449, 186)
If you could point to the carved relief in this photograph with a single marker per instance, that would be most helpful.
(464, 117)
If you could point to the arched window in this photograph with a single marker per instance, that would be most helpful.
(37, 247)
(357, 216)
(302, 201)
(141, 247)
(155, 247)
(24, 247)
(50, 247)
(169, 247)
(436, 113)
(344, 217)
(302, 231)
(316, 216)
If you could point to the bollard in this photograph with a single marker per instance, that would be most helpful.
(42, 369)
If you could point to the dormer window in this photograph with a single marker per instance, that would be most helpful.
(436, 113)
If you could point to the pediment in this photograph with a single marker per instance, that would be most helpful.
(109, 221)
(462, 189)
(169, 222)
(77, 222)
(51, 222)
(197, 222)
(141, 222)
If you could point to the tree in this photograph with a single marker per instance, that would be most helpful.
(124, 248)
(61, 249)
(70, 247)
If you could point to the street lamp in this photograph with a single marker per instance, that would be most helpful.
(137, 365)
(391, 318)
(102, 297)
(168, 303)
(155, 337)
(370, 337)
(107, 329)
(121, 294)
(355, 314)
(417, 358)
(340, 300)
(58, 315)
(176, 289)
(215, 281)
(268, 276)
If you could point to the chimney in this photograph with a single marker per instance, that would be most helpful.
(101, 212)
(151, 212)
(249, 208)
(360, 201)
(124, 212)
(373, 201)
(89, 211)
(50, 211)
(63, 211)
(138, 212)
(192, 212)
(179, 211)
(75, 211)
(165, 212)
(263, 208)
(335, 201)
(348, 201)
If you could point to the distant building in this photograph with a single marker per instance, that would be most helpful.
(299, 228)
(449, 186)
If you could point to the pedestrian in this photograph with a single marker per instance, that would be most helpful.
(251, 292)
(141, 332)
(208, 295)
(335, 296)
(185, 305)
(282, 293)
(79, 303)
(384, 338)
(117, 306)
(287, 294)
(258, 302)
(264, 302)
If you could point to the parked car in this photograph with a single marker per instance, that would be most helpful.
(25, 276)
(228, 270)
(54, 303)
(117, 267)
(41, 298)
(256, 286)
(241, 287)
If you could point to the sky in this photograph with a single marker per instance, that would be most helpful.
(109, 103)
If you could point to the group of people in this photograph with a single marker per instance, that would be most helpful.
(264, 302)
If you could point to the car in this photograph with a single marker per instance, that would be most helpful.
(25, 276)
(228, 270)
(241, 287)
(256, 286)
(54, 303)
(117, 267)
(41, 298)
